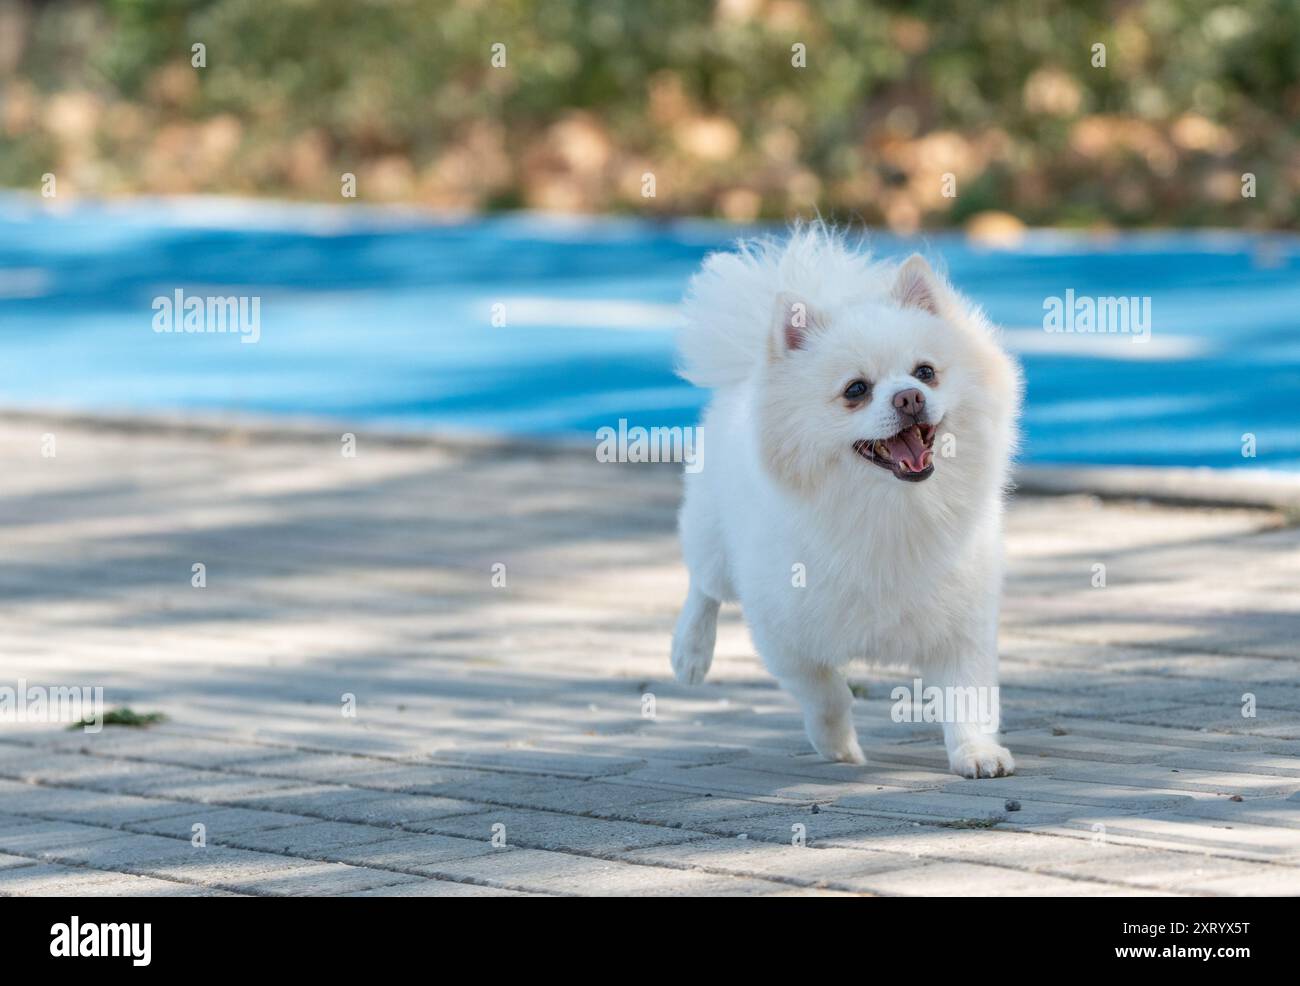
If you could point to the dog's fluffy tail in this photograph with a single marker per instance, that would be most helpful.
(731, 303)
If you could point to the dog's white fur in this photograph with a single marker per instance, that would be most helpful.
(903, 574)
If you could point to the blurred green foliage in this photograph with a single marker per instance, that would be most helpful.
(910, 113)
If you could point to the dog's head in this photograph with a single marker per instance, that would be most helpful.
(885, 387)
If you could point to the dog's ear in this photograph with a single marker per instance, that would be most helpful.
(917, 286)
(793, 321)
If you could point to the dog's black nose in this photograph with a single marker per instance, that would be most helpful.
(910, 401)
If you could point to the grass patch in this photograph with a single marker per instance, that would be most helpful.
(124, 716)
(973, 823)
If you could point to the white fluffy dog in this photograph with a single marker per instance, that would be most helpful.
(823, 507)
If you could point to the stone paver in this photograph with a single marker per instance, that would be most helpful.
(356, 706)
(56, 880)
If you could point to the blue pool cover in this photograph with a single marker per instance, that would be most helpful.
(386, 319)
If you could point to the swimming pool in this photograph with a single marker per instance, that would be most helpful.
(377, 319)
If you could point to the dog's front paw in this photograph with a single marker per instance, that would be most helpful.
(981, 758)
(841, 748)
(690, 661)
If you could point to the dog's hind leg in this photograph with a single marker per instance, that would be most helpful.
(827, 703)
(697, 630)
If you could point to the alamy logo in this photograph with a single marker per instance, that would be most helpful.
(194, 314)
(978, 705)
(1083, 313)
(639, 444)
(62, 703)
(75, 940)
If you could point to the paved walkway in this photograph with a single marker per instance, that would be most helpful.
(540, 713)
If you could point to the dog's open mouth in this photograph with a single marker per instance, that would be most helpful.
(908, 455)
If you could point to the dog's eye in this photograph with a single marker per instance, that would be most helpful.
(857, 390)
(924, 373)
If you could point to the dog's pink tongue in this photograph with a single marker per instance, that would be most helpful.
(907, 448)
